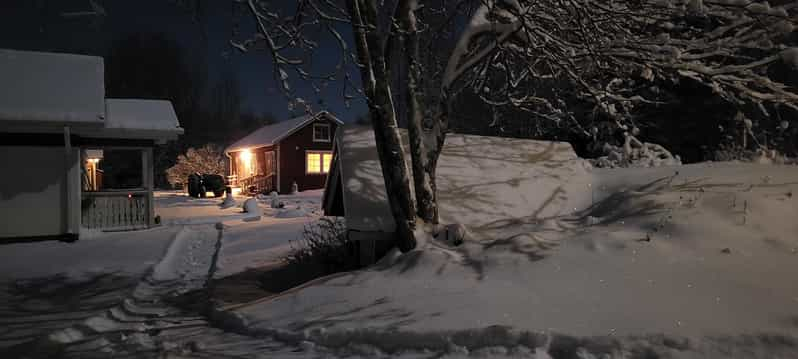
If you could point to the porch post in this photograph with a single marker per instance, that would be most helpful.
(70, 200)
(147, 179)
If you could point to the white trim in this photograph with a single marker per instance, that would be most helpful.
(329, 136)
(321, 163)
(69, 198)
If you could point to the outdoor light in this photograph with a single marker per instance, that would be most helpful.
(246, 159)
(246, 156)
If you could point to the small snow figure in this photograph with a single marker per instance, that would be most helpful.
(251, 206)
(275, 200)
(294, 188)
(229, 201)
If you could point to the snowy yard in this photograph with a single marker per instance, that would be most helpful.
(687, 261)
(246, 242)
(77, 294)
(692, 261)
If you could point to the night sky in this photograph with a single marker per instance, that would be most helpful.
(39, 25)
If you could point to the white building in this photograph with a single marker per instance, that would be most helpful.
(53, 118)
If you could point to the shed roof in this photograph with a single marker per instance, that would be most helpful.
(481, 179)
(137, 119)
(51, 87)
(271, 134)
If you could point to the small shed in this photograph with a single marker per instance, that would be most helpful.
(276, 156)
(482, 182)
(55, 123)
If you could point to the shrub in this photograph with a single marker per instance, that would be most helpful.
(206, 159)
(325, 244)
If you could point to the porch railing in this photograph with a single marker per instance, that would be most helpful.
(257, 183)
(116, 209)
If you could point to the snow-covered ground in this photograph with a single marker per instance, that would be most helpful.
(47, 286)
(109, 293)
(691, 261)
(248, 241)
(687, 261)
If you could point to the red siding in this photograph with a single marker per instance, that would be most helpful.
(292, 158)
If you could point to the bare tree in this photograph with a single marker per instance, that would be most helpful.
(535, 56)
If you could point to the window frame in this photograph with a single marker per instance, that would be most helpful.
(321, 154)
(329, 132)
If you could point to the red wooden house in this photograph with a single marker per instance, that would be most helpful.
(275, 156)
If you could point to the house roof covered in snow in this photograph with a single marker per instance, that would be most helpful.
(481, 179)
(271, 134)
(51, 87)
(141, 115)
(137, 119)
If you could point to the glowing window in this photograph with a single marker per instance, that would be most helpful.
(326, 162)
(314, 162)
(318, 162)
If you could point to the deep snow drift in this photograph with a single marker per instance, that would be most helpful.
(706, 252)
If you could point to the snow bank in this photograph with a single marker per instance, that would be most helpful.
(700, 254)
(257, 244)
(130, 253)
(189, 256)
(292, 213)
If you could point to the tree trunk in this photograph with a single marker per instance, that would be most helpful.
(425, 201)
(376, 84)
(436, 140)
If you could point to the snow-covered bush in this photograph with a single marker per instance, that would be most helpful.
(634, 153)
(325, 243)
(206, 159)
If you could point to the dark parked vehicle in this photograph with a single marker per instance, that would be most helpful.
(199, 184)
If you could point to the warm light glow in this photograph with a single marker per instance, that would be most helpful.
(236, 191)
(318, 162)
(314, 162)
(246, 161)
(93, 160)
(326, 162)
(245, 156)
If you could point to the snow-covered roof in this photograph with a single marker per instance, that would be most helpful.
(157, 115)
(137, 119)
(51, 87)
(481, 179)
(271, 134)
